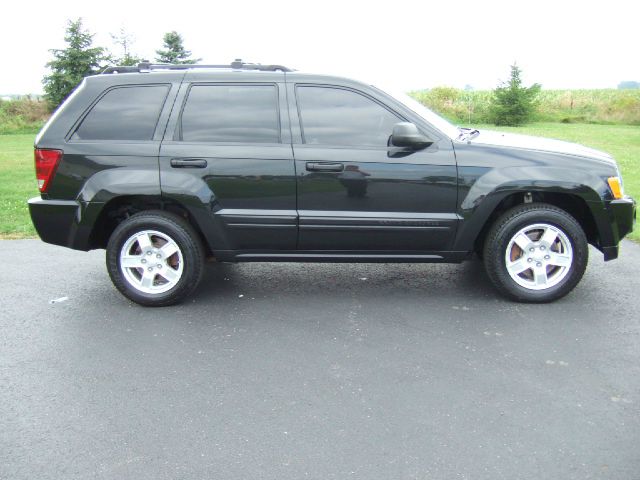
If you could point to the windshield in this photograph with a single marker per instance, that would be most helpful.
(433, 118)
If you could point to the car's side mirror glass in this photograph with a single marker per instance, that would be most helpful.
(406, 134)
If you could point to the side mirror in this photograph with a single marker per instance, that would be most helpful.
(406, 134)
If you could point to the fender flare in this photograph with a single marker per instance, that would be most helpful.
(491, 189)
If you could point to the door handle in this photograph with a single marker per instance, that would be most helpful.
(324, 167)
(188, 163)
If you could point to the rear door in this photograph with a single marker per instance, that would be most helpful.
(357, 193)
(228, 157)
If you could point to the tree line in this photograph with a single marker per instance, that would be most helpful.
(512, 102)
(80, 58)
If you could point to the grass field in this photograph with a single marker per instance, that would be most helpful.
(17, 178)
(17, 184)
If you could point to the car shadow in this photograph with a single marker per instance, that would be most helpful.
(343, 280)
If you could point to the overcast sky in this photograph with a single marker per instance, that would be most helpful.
(403, 44)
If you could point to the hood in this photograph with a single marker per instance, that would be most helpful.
(528, 142)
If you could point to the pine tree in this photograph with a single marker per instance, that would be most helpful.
(512, 103)
(124, 40)
(72, 64)
(174, 51)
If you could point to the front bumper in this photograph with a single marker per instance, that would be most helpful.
(622, 214)
(59, 222)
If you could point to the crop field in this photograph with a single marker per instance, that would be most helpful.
(17, 178)
(22, 116)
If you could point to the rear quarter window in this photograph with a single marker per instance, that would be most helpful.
(124, 113)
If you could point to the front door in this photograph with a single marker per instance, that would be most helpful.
(355, 193)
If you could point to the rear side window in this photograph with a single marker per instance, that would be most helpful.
(333, 116)
(231, 113)
(124, 113)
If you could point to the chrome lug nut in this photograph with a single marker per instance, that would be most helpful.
(532, 250)
(529, 260)
(159, 266)
(149, 253)
(158, 256)
(538, 264)
(547, 257)
(143, 261)
(150, 268)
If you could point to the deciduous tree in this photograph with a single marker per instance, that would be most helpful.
(124, 40)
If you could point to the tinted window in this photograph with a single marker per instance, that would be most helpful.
(231, 113)
(126, 113)
(332, 116)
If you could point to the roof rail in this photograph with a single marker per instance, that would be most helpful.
(237, 64)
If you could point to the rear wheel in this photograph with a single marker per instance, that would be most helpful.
(155, 258)
(535, 253)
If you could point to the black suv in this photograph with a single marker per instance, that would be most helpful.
(165, 165)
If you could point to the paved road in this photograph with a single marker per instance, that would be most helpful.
(296, 371)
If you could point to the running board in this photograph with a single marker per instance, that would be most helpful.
(337, 257)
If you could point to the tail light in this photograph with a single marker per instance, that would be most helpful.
(46, 163)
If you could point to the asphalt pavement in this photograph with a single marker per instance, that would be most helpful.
(320, 371)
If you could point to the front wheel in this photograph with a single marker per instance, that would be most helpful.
(535, 253)
(155, 258)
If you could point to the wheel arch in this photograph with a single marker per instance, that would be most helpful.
(563, 181)
(574, 205)
(589, 213)
(118, 209)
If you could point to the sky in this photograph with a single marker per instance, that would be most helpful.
(398, 44)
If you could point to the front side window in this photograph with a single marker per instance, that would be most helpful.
(333, 116)
(231, 113)
(124, 113)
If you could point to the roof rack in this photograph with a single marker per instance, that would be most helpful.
(237, 64)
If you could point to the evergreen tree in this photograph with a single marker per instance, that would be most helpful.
(124, 40)
(512, 103)
(70, 65)
(174, 51)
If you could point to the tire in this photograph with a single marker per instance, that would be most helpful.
(155, 258)
(535, 253)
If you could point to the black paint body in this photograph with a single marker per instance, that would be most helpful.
(293, 200)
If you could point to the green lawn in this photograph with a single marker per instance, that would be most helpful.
(17, 178)
(17, 184)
